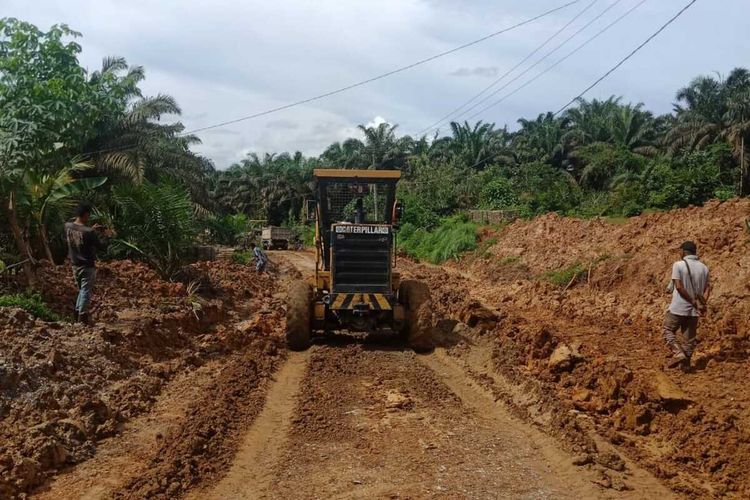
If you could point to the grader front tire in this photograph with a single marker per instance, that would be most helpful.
(415, 296)
(298, 315)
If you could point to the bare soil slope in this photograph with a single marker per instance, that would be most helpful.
(592, 345)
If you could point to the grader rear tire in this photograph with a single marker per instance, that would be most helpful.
(415, 296)
(298, 314)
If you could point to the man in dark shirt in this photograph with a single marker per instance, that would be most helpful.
(83, 243)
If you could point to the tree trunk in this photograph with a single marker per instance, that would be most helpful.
(45, 242)
(21, 244)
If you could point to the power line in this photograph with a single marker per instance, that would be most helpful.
(631, 54)
(511, 70)
(383, 75)
(626, 58)
(559, 61)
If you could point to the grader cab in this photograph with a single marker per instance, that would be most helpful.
(355, 287)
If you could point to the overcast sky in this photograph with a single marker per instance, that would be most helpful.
(223, 59)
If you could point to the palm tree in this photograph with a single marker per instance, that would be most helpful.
(133, 144)
(42, 195)
(476, 146)
(634, 129)
(590, 121)
(544, 139)
(712, 110)
(382, 149)
(344, 155)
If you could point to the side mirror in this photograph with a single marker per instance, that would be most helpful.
(311, 210)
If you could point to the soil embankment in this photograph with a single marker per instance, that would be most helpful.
(587, 349)
(68, 389)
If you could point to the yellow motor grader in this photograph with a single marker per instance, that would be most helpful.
(355, 287)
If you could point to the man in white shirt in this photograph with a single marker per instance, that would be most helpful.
(691, 288)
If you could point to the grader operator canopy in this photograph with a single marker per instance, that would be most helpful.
(353, 197)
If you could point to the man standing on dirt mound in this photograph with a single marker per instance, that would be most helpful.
(83, 243)
(690, 287)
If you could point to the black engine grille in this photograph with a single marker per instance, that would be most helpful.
(361, 261)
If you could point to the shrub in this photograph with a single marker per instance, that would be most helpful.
(245, 258)
(155, 223)
(32, 304)
(572, 273)
(562, 277)
(229, 229)
(689, 180)
(498, 194)
(545, 189)
(449, 240)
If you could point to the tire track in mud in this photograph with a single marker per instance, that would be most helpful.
(203, 448)
(376, 422)
(252, 469)
(483, 390)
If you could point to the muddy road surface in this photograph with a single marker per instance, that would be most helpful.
(361, 418)
(349, 418)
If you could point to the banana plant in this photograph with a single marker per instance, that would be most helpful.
(40, 194)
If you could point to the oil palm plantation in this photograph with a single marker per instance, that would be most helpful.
(715, 109)
(44, 197)
(543, 139)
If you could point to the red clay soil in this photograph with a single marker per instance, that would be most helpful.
(592, 346)
(203, 448)
(64, 387)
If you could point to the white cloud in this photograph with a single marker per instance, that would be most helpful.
(376, 122)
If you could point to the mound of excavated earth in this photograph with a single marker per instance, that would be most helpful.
(64, 387)
(588, 351)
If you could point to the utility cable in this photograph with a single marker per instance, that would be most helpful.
(511, 70)
(559, 61)
(383, 75)
(631, 54)
(626, 58)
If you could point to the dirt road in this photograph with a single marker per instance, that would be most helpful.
(354, 419)
(346, 419)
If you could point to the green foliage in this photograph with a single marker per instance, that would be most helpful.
(572, 273)
(245, 257)
(484, 246)
(498, 193)
(306, 234)
(454, 236)
(155, 223)
(599, 158)
(511, 260)
(229, 229)
(562, 277)
(437, 191)
(545, 189)
(33, 304)
(603, 162)
(691, 179)
(44, 96)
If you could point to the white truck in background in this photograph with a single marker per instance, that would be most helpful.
(276, 238)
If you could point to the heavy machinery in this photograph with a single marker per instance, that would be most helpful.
(355, 287)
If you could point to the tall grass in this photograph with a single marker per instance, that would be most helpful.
(454, 236)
